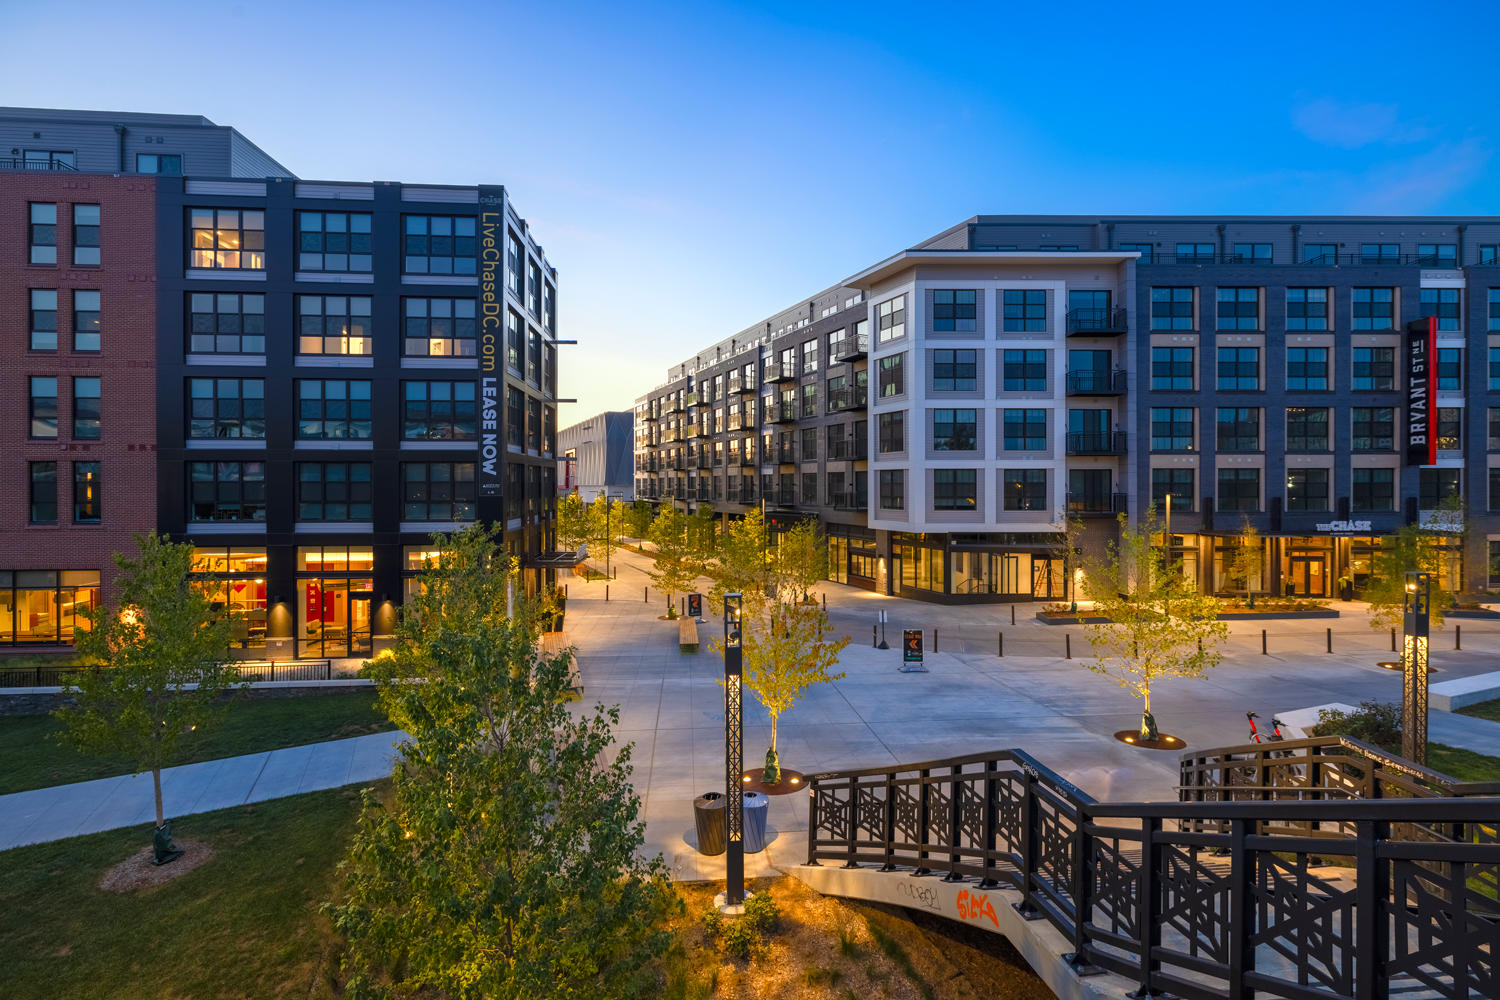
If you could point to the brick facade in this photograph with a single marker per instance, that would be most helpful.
(125, 365)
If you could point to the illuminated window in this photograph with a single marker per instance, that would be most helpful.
(228, 238)
(439, 328)
(85, 320)
(88, 505)
(334, 324)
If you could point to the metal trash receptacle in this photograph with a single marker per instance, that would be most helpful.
(712, 823)
(755, 822)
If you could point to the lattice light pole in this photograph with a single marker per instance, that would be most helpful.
(1416, 615)
(734, 763)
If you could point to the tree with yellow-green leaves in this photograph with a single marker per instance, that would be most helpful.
(572, 521)
(676, 568)
(798, 562)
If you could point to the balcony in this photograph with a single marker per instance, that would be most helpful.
(1096, 322)
(842, 400)
(735, 382)
(704, 461)
(1096, 444)
(1096, 382)
(786, 454)
(702, 494)
(1096, 503)
(851, 501)
(650, 417)
(746, 459)
(748, 388)
(26, 163)
(781, 413)
(849, 450)
(742, 493)
(673, 403)
(852, 349)
(783, 372)
(784, 495)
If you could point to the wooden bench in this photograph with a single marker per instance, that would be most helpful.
(553, 643)
(687, 635)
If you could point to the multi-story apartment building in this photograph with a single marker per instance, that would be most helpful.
(322, 374)
(1026, 368)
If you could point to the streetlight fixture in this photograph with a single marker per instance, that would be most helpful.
(1416, 608)
(734, 756)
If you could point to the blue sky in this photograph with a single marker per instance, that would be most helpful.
(693, 167)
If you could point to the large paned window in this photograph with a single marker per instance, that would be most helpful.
(227, 491)
(1373, 490)
(892, 375)
(954, 489)
(227, 239)
(435, 327)
(891, 319)
(1238, 368)
(1307, 489)
(1025, 309)
(954, 430)
(1493, 312)
(1172, 428)
(228, 323)
(43, 319)
(1174, 483)
(334, 241)
(1320, 253)
(891, 431)
(333, 409)
(87, 408)
(334, 491)
(42, 606)
(1444, 304)
(515, 339)
(42, 406)
(954, 371)
(43, 492)
(1450, 427)
(438, 411)
(1025, 430)
(1374, 308)
(1252, 253)
(1306, 369)
(1373, 428)
(86, 320)
(1146, 250)
(1380, 253)
(1172, 309)
(1172, 369)
(1239, 490)
(1450, 369)
(437, 244)
(1239, 308)
(534, 288)
(1025, 371)
(1435, 486)
(165, 164)
(953, 310)
(1307, 309)
(893, 489)
(1306, 428)
(1239, 428)
(42, 233)
(86, 235)
(88, 498)
(1189, 252)
(437, 491)
(226, 408)
(334, 324)
(1375, 368)
(1437, 254)
(1025, 489)
(515, 416)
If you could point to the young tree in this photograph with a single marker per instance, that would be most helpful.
(798, 562)
(504, 861)
(1411, 548)
(1159, 625)
(1246, 561)
(604, 527)
(676, 563)
(1069, 549)
(572, 521)
(703, 536)
(161, 637)
(743, 559)
(786, 650)
(637, 519)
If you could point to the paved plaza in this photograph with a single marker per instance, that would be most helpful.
(969, 701)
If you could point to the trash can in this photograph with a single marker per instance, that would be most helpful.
(712, 823)
(755, 822)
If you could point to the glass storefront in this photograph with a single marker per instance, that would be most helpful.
(40, 606)
(1037, 575)
(234, 580)
(335, 601)
(851, 555)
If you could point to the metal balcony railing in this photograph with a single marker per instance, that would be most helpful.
(840, 400)
(781, 413)
(1097, 503)
(781, 372)
(1086, 443)
(851, 501)
(28, 164)
(852, 348)
(1096, 382)
(786, 454)
(1096, 322)
(849, 450)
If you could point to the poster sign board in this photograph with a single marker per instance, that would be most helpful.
(695, 605)
(911, 650)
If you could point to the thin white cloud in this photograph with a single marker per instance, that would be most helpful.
(1414, 185)
(1350, 126)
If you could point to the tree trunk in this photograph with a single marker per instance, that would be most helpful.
(773, 734)
(156, 786)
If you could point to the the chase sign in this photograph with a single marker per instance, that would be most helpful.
(1344, 527)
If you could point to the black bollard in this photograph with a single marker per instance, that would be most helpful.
(1330, 639)
(999, 643)
(934, 640)
(1067, 646)
(606, 592)
(1458, 637)
(874, 637)
(1262, 642)
(1012, 614)
(1393, 640)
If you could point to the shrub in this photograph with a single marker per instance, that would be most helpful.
(744, 937)
(1374, 722)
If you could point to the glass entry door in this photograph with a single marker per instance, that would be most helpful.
(360, 622)
(1307, 575)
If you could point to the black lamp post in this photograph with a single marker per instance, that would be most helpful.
(734, 763)
(1416, 617)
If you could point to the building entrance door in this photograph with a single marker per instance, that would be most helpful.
(1307, 575)
(360, 622)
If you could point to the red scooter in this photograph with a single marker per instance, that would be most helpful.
(1256, 736)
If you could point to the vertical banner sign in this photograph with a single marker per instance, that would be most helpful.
(491, 339)
(1421, 391)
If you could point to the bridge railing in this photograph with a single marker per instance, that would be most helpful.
(1203, 899)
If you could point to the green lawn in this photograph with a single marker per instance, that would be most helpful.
(34, 759)
(1465, 765)
(1484, 710)
(246, 924)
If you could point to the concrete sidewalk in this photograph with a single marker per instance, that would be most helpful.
(44, 814)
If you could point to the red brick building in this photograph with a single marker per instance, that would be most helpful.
(77, 391)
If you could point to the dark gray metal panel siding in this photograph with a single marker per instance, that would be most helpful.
(248, 160)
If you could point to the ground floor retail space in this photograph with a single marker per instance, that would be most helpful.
(1310, 566)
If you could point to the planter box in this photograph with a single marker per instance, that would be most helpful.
(1484, 614)
(1049, 618)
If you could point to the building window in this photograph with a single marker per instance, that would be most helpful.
(1239, 368)
(1089, 491)
(1374, 308)
(1306, 369)
(1025, 309)
(890, 319)
(43, 494)
(1026, 371)
(1174, 483)
(1494, 492)
(226, 408)
(533, 424)
(1494, 428)
(954, 310)
(333, 491)
(226, 323)
(1307, 308)
(88, 500)
(1025, 489)
(334, 241)
(1146, 250)
(1489, 253)
(166, 164)
(42, 606)
(227, 491)
(438, 411)
(1442, 303)
(1374, 428)
(534, 288)
(810, 400)
(1239, 489)
(1450, 369)
(1450, 428)
(228, 238)
(1172, 309)
(549, 308)
(809, 357)
(1435, 486)
(1320, 253)
(43, 406)
(1252, 253)
(1374, 490)
(1239, 428)
(515, 416)
(534, 357)
(1307, 489)
(333, 324)
(893, 489)
(954, 430)
(1437, 254)
(892, 378)
(438, 491)
(1189, 252)
(1172, 369)
(515, 339)
(42, 233)
(1375, 368)
(1025, 430)
(86, 321)
(439, 328)
(955, 489)
(437, 244)
(1172, 428)
(953, 371)
(1306, 429)
(86, 235)
(43, 319)
(1494, 309)
(86, 408)
(1239, 308)
(891, 431)
(1380, 253)
(333, 410)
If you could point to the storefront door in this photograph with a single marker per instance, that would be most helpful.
(359, 623)
(1308, 575)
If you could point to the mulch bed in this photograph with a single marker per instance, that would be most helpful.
(137, 871)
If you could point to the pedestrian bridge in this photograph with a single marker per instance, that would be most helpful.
(1319, 869)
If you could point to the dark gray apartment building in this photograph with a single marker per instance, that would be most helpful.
(941, 411)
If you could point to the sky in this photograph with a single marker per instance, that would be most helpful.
(693, 168)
